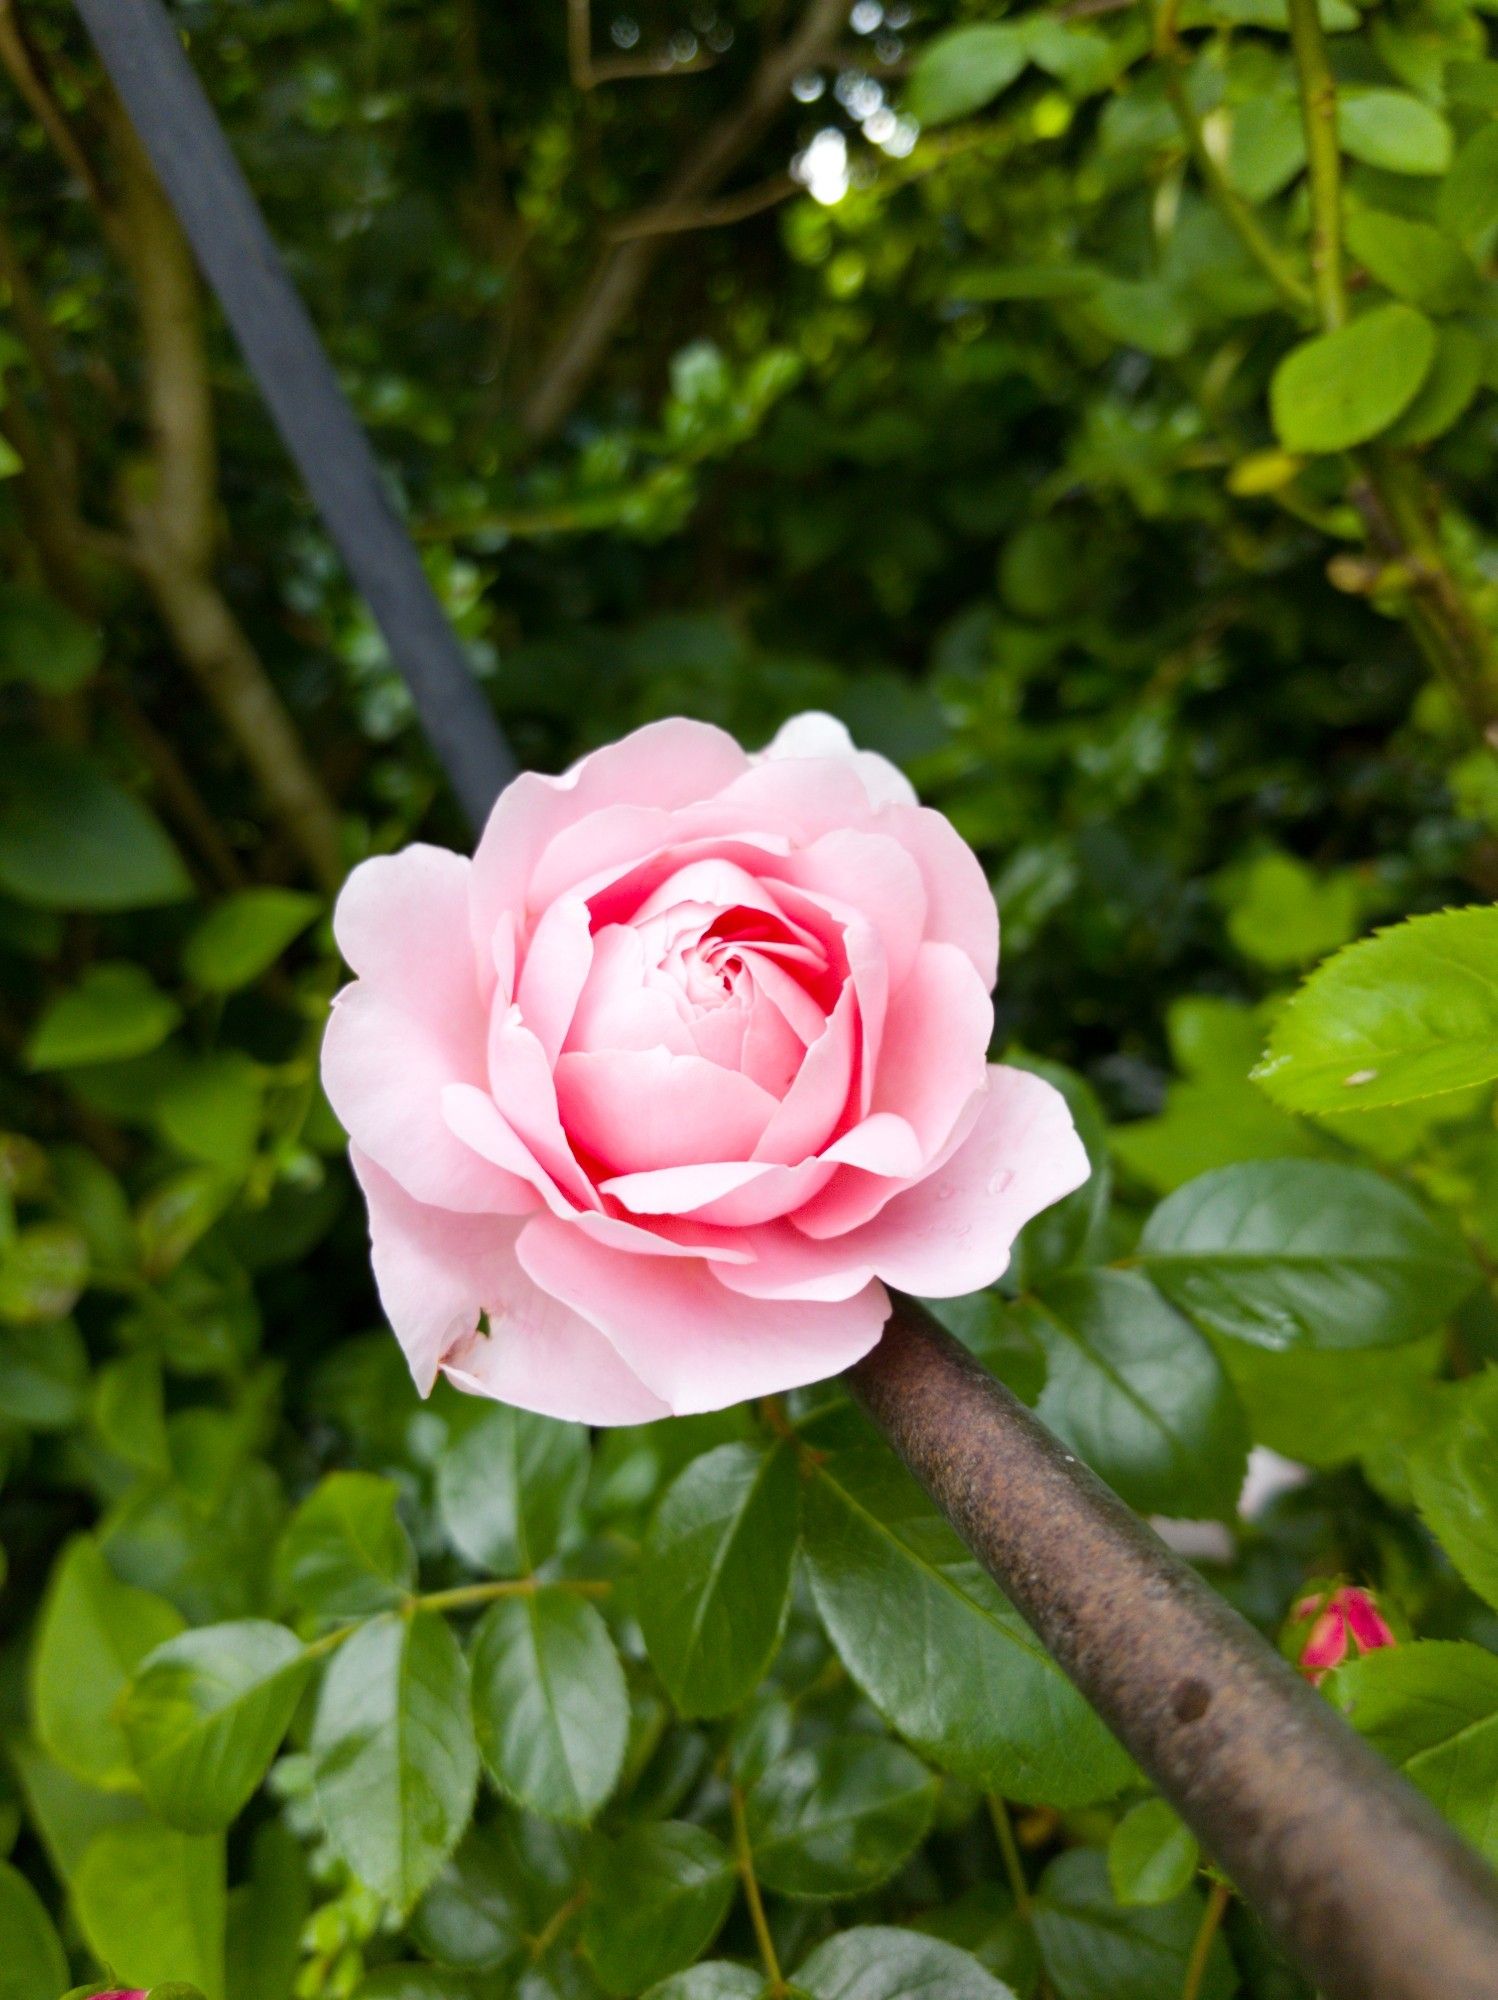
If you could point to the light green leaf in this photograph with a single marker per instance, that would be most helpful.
(877, 1962)
(267, 1915)
(43, 1269)
(67, 1813)
(1137, 1392)
(1431, 1708)
(660, 1894)
(1152, 1857)
(113, 1012)
(211, 1107)
(1413, 260)
(244, 936)
(93, 1633)
(1394, 130)
(1408, 1013)
(1340, 389)
(1468, 200)
(72, 839)
(396, 1760)
(897, 1590)
(1094, 1949)
(509, 1488)
(1454, 379)
(715, 1576)
(151, 1904)
(345, 1553)
(838, 1819)
(962, 70)
(204, 1715)
(1331, 1407)
(129, 1412)
(1283, 913)
(33, 1966)
(1266, 146)
(1288, 1253)
(1454, 1473)
(549, 1703)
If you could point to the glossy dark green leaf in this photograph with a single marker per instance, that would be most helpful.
(94, 1632)
(1432, 1710)
(1152, 1856)
(660, 1894)
(715, 1574)
(471, 1917)
(897, 1590)
(1137, 1392)
(509, 1487)
(838, 1819)
(151, 1903)
(72, 839)
(1288, 1253)
(549, 1703)
(714, 1979)
(1095, 1949)
(34, 1966)
(345, 1553)
(875, 1962)
(204, 1714)
(396, 1760)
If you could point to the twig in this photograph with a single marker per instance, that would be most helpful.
(35, 330)
(743, 1855)
(464, 1595)
(1218, 1898)
(1014, 1868)
(588, 71)
(710, 214)
(621, 273)
(19, 59)
(1318, 102)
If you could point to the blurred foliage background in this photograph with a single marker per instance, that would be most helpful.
(1009, 385)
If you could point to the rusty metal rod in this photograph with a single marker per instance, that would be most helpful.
(1361, 1882)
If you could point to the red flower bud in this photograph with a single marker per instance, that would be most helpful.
(1344, 1623)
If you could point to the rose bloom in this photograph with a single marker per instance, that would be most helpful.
(651, 1098)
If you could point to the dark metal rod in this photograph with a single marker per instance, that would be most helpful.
(140, 50)
(1365, 1887)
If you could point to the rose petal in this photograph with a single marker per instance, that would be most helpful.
(960, 908)
(816, 734)
(953, 1232)
(698, 1345)
(935, 1052)
(555, 971)
(635, 1110)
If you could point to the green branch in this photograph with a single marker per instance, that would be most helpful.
(1318, 106)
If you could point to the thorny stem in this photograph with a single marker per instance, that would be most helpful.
(743, 1856)
(1196, 1966)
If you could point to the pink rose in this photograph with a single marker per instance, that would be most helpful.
(664, 1082)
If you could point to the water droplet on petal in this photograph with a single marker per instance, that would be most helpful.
(945, 1191)
(1003, 1179)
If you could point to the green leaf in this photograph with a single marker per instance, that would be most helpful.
(714, 1979)
(43, 1269)
(345, 1553)
(45, 644)
(93, 1633)
(1095, 1950)
(962, 70)
(1288, 1253)
(1432, 1709)
(1135, 1390)
(129, 1412)
(1340, 389)
(660, 1894)
(509, 1489)
(1454, 379)
(839, 1819)
(1152, 1857)
(72, 839)
(65, 1812)
(715, 1575)
(34, 1966)
(43, 1374)
(1283, 913)
(877, 1962)
(204, 1716)
(244, 936)
(211, 1109)
(1393, 130)
(151, 1903)
(1412, 259)
(113, 1012)
(1409, 1013)
(267, 1915)
(1467, 203)
(396, 1760)
(1454, 1473)
(471, 1916)
(1332, 1407)
(549, 1703)
(897, 1590)
(1266, 146)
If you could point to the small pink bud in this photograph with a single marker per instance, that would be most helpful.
(1344, 1622)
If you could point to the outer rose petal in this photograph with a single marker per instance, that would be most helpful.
(960, 908)
(816, 734)
(953, 1232)
(698, 1345)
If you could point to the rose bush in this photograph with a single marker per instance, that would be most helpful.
(652, 1097)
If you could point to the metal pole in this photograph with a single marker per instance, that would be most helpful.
(1362, 1883)
(176, 124)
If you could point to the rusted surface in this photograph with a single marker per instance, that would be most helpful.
(1362, 1883)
